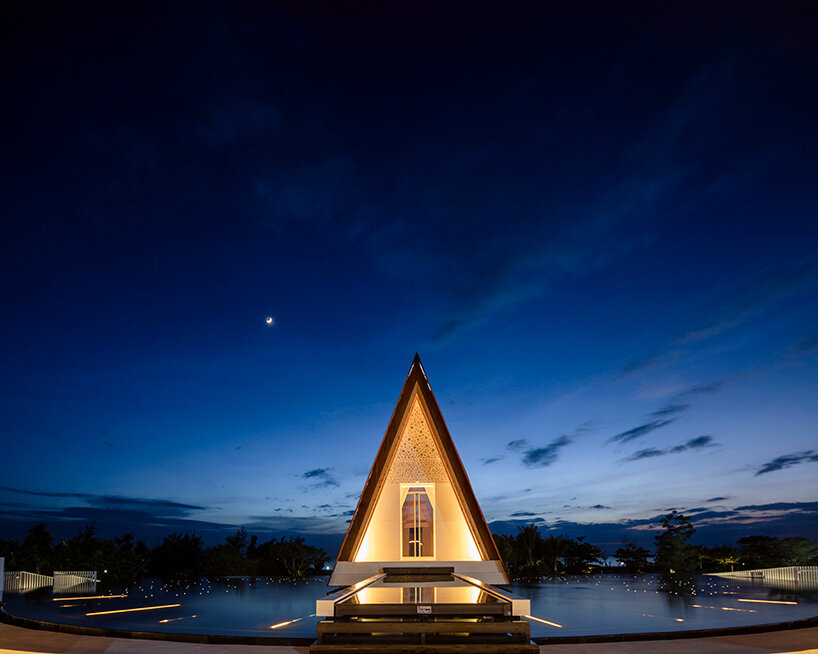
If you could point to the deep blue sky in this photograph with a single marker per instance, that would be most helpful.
(597, 223)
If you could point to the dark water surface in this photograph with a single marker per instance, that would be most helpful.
(600, 604)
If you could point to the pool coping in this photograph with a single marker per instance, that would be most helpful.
(32, 623)
(803, 623)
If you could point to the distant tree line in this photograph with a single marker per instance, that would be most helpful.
(529, 553)
(526, 554)
(127, 560)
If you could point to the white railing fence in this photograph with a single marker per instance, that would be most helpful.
(75, 581)
(23, 582)
(807, 574)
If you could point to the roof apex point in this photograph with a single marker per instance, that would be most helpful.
(416, 362)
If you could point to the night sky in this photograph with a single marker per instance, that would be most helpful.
(596, 223)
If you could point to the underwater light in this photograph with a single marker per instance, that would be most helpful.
(62, 599)
(175, 619)
(553, 624)
(284, 624)
(141, 608)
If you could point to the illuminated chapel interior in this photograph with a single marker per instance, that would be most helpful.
(417, 508)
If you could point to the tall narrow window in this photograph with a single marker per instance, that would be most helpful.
(417, 524)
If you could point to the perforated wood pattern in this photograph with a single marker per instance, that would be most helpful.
(417, 459)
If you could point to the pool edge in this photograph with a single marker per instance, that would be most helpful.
(42, 625)
(31, 623)
(803, 623)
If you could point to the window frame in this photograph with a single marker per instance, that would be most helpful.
(429, 489)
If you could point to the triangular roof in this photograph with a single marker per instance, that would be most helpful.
(417, 386)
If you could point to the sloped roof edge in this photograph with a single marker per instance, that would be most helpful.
(416, 378)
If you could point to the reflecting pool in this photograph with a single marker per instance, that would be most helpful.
(619, 604)
(560, 606)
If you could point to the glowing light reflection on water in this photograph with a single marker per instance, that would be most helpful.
(263, 606)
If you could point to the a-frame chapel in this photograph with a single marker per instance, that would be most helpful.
(417, 508)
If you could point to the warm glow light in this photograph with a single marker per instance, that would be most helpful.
(269, 320)
(552, 624)
(382, 536)
(174, 619)
(766, 601)
(284, 624)
(363, 551)
(678, 619)
(471, 547)
(142, 608)
(62, 599)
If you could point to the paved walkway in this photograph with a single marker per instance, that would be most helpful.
(17, 640)
(796, 640)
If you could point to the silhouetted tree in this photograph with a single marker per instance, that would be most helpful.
(632, 557)
(251, 547)
(529, 542)
(673, 553)
(10, 550)
(723, 558)
(85, 551)
(553, 549)
(232, 557)
(760, 552)
(508, 552)
(35, 551)
(299, 558)
(130, 562)
(798, 551)
(582, 558)
(238, 541)
(290, 557)
(771, 552)
(179, 555)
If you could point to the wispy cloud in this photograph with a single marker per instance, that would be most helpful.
(320, 477)
(148, 524)
(641, 430)
(493, 459)
(693, 444)
(638, 365)
(713, 526)
(716, 499)
(569, 237)
(803, 507)
(670, 410)
(740, 305)
(158, 506)
(787, 461)
(647, 453)
(702, 389)
(696, 443)
(43, 493)
(540, 457)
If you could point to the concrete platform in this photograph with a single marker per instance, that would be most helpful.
(17, 640)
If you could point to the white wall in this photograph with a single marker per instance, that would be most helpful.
(453, 539)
